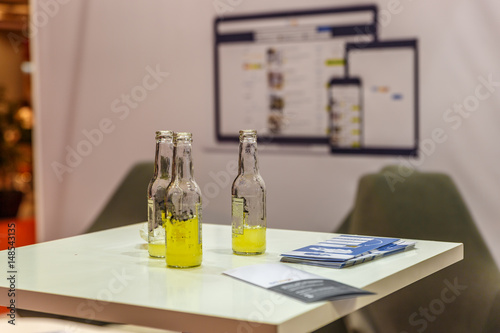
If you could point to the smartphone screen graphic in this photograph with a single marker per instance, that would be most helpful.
(345, 114)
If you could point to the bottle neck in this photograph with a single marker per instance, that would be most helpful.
(163, 157)
(248, 157)
(183, 163)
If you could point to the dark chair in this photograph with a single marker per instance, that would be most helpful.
(128, 205)
(464, 297)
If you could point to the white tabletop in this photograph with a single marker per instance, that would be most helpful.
(109, 276)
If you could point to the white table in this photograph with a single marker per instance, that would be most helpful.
(109, 276)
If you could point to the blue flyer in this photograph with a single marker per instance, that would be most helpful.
(340, 248)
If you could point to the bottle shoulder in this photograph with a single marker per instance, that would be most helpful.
(250, 178)
(180, 187)
(250, 184)
(159, 184)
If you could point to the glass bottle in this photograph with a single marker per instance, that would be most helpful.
(248, 209)
(157, 190)
(183, 226)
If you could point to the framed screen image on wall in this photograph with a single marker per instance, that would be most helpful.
(272, 70)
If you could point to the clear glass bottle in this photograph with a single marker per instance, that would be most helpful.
(183, 226)
(248, 209)
(157, 190)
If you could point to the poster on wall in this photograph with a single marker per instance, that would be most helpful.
(319, 77)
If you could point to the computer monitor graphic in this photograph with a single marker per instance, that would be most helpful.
(272, 70)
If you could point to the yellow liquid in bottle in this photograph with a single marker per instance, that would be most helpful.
(157, 250)
(156, 244)
(183, 243)
(252, 241)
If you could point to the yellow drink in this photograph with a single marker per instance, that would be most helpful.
(183, 239)
(157, 250)
(252, 241)
(156, 239)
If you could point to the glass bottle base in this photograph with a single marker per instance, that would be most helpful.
(247, 253)
(172, 266)
(156, 250)
(251, 242)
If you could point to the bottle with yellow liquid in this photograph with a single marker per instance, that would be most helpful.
(248, 209)
(183, 225)
(157, 190)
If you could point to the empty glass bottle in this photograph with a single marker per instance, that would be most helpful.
(183, 226)
(248, 192)
(157, 190)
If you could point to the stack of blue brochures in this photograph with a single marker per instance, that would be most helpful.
(347, 250)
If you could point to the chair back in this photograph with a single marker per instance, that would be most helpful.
(428, 206)
(128, 204)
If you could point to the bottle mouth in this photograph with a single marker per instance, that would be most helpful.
(164, 134)
(183, 136)
(248, 133)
